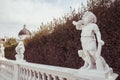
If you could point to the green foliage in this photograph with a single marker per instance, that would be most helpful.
(10, 45)
(9, 42)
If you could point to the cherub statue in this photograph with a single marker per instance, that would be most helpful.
(91, 53)
(2, 54)
(20, 49)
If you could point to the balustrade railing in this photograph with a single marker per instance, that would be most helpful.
(14, 70)
(21, 70)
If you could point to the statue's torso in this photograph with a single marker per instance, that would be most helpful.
(88, 38)
(88, 30)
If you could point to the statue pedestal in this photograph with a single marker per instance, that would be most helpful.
(96, 75)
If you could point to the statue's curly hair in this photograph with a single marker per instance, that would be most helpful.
(91, 16)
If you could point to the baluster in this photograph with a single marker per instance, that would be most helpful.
(37, 76)
(30, 75)
(19, 76)
(49, 77)
(40, 75)
(43, 76)
(26, 76)
(55, 78)
(34, 76)
(23, 74)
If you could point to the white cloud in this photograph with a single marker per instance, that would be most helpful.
(15, 13)
(29, 12)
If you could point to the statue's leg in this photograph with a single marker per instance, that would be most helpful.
(92, 55)
(93, 58)
(88, 63)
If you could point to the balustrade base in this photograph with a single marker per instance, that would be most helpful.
(96, 75)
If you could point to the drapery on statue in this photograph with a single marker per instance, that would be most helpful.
(91, 53)
(20, 49)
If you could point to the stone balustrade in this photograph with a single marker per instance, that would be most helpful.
(21, 70)
(13, 70)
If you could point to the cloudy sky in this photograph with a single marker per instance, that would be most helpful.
(15, 13)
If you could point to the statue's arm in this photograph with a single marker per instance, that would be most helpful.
(98, 35)
(74, 23)
(78, 24)
(100, 42)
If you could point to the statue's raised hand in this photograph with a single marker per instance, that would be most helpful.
(79, 24)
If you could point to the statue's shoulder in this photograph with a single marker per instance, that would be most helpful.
(94, 26)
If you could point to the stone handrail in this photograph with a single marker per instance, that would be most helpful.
(21, 70)
(13, 70)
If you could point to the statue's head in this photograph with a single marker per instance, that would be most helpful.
(89, 17)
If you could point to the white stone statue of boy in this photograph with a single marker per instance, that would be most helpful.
(91, 53)
(20, 49)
